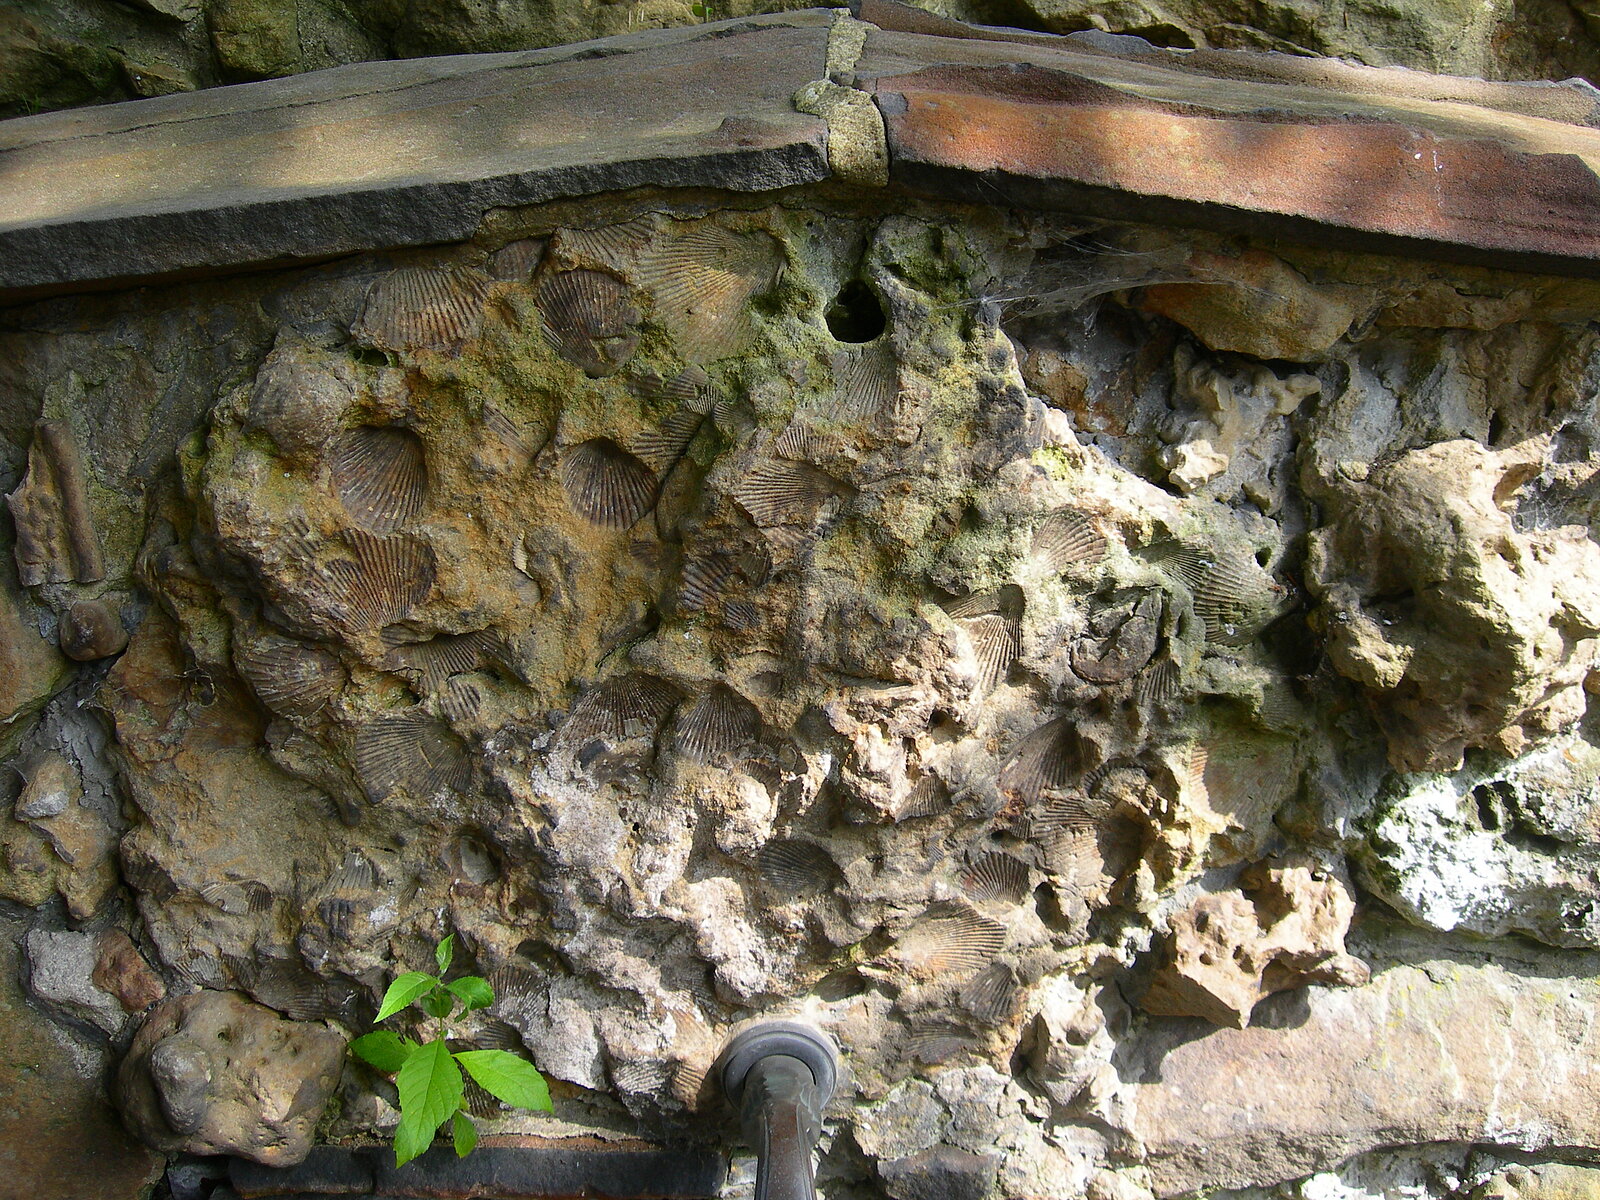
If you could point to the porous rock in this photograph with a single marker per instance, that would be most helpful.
(214, 1073)
(1284, 928)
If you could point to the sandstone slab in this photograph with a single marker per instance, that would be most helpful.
(1438, 1052)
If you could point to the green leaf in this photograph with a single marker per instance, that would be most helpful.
(466, 1136)
(443, 951)
(383, 1049)
(473, 992)
(403, 991)
(438, 1003)
(512, 1079)
(430, 1091)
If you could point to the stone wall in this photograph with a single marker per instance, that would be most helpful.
(59, 54)
(1019, 645)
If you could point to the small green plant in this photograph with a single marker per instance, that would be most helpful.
(428, 1074)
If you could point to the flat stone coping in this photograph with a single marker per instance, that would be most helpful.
(392, 154)
(531, 1171)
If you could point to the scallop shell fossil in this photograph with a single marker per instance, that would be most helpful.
(589, 320)
(996, 877)
(1047, 760)
(784, 493)
(720, 721)
(702, 279)
(289, 677)
(1066, 538)
(1232, 595)
(605, 485)
(866, 381)
(381, 476)
(412, 753)
(991, 995)
(794, 868)
(422, 308)
(952, 939)
(382, 581)
(432, 662)
(621, 707)
(615, 246)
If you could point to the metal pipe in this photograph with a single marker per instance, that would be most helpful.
(781, 1075)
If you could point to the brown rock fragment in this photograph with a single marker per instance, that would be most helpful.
(214, 1073)
(30, 668)
(91, 630)
(1283, 930)
(122, 971)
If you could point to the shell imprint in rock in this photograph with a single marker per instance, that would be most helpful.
(431, 662)
(784, 493)
(994, 647)
(996, 877)
(709, 579)
(792, 868)
(1066, 538)
(518, 261)
(702, 279)
(381, 581)
(660, 448)
(950, 939)
(422, 308)
(605, 485)
(289, 677)
(589, 320)
(380, 475)
(615, 246)
(1233, 596)
(991, 995)
(1047, 760)
(621, 707)
(721, 720)
(412, 753)
(866, 381)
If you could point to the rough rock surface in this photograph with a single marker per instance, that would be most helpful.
(214, 1073)
(709, 606)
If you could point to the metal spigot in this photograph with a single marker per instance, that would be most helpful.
(780, 1075)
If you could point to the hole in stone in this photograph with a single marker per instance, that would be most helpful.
(855, 314)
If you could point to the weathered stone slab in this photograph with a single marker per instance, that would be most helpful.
(1437, 1052)
(1359, 158)
(403, 153)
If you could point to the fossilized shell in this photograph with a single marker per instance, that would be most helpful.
(709, 579)
(721, 720)
(298, 404)
(381, 476)
(431, 662)
(703, 278)
(1160, 683)
(1120, 652)
(687, 389)
(1232, 595)
(381, 581)
(621, 707)
(422, 308)
(784, 493)
(792, 867)
(996, 877)
(589, 320)
(927, 798)
(411, 753)
(1066, 538)
(614, 246)
(801, 443)
(991, 995)
(355, 875)
(660, 448)
(866, 381)
(1048, 759)
(605, 485)
(934, 1042)
(290, 678)
(994, 646)
(498, 1035)
(462, 701)
(479, 1102)
(640, 1076)
(952, 939)
(518, 261)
